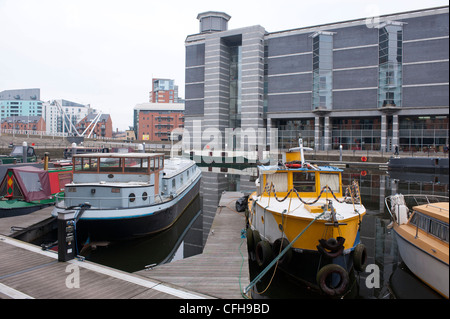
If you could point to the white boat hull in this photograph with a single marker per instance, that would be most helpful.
(429, 269)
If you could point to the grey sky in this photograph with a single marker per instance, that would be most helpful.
(105, 52)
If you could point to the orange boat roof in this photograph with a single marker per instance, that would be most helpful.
(435, 210)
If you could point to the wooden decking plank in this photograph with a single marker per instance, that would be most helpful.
(219, 268)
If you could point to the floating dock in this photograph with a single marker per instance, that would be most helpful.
(28, 272)
(222, 269)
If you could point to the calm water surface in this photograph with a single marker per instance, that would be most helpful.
(190, 233)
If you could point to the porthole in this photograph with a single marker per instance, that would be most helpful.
(132, 197)
(144, 196)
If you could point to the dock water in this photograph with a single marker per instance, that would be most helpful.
(28, 272)
(222, 268)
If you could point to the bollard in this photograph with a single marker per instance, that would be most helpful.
(24, 152)
(66, 235)
(74, 149)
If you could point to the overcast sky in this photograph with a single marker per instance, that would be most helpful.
(105, 52)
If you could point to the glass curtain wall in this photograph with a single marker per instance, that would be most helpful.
(322, 97)
(356, 134)
(390, 66)
(235, 86)
(423, 133)
(289, 131)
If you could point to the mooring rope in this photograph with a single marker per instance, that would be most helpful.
(262, 273)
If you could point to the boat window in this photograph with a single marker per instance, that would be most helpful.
(181, 179)
(152, 164)
(144, 196)
(420, 220)
(304, 181)
(161, 162)
(155, 160)
(431, 226)
(332, 180)
(187, 172)
(279, 181)
(135, 165)
(438, 229)
(112, 164)
(173, 183)
(89, 164)
(132, 197)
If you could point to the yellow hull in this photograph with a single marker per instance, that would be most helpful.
(310, 239)
(290, 226)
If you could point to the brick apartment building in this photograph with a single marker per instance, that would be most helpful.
(102, 128)
(164, 91)
(24, 123)
(156, 121)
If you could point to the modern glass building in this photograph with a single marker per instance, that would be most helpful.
(365, 84)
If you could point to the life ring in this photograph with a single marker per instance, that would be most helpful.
(324, 279)
(364, 159)
(293, 165)
(363, 173)
(263, 252)
(278, 246)
(331, 248)
(360, 257)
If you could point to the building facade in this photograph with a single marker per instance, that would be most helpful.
(23, 102)
(156, 121)
(58, 114)
(365, 84)
(25, 124)
(164, 91)
(101, 126)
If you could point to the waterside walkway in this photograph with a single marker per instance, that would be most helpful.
(28, 272)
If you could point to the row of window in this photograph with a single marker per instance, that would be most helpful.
(431, 226)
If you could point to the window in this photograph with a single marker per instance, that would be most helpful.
(304, 181)
(431, 226)
(112, 165)
(390, 56)
(332, 180)
(322, 70)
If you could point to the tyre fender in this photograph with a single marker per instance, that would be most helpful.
(324, 277)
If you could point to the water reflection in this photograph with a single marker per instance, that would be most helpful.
(189, 235)
(182, 240)
(375, 185)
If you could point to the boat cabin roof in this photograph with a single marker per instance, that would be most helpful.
(128, 155)
(436, 210)
(122, 163)
(324, 169)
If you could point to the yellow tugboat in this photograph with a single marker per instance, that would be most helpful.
(302, 220)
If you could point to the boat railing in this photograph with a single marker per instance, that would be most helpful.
(103, 203)
(410, 200)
